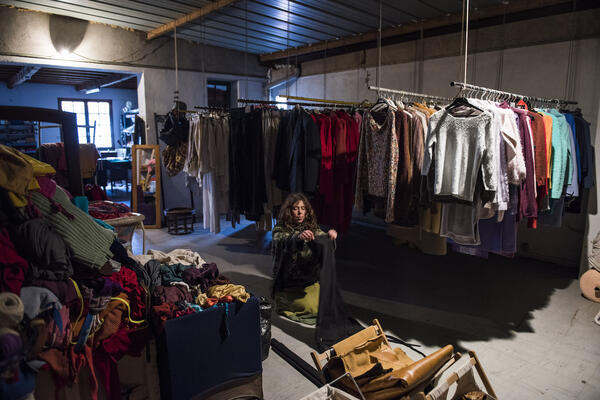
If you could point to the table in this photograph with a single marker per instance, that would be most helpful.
(113, 169)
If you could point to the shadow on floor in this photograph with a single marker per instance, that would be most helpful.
(408, 330)
(257, 242)
(500, 292)
(498, 289)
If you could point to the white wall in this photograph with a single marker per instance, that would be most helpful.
(539, 70)
(46, 96)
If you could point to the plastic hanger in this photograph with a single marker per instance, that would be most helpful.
(522, 103)
(461, 101)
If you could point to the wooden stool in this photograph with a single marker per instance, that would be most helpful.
(180, 220)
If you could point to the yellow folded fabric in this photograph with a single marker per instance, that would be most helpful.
(18, 172)
(17, 199)
(238, 292)
(15, 171)
(299, 304)
(201, 299)
(39, 168)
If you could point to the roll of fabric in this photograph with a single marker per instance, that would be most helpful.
(11, 310)
(8, 331)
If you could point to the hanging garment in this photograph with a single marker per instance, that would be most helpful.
(573, 185)
(271, 120)
(560, 155)
(582, 128)
(339, 127)
(324, 199)
(404, 176)
(460, 148)
(541, 161)
(345, 172)
(528, 205)
(247, 182)
(378, 160)
(305, 154)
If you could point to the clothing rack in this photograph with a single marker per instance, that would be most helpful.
(295, 103)
(506, 95)
(211, 108)
(410, 94)
(316, 100)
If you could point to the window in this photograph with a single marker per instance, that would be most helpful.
(91, 113)
(282, 103)
(218, 94)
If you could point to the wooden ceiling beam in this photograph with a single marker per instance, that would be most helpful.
(102, 82)
(201, 12)
(429, 24)
(23, 75)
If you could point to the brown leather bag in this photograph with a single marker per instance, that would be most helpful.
(401, 381)
(381, 371)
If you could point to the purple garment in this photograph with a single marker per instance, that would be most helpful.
(496, 237)
(201, 276)
(171, 294)
(528, 205)
(11, 353)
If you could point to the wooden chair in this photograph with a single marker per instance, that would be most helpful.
(374, 332)
(371, 332)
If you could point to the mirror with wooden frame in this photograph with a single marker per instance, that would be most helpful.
(145, 183)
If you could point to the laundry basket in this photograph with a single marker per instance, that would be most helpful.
(125, 226)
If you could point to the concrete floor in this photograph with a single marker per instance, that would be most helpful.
(532, 330)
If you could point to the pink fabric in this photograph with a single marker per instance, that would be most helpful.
(47, 186)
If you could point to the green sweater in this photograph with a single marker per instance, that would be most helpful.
(89, 241)
(294, 262)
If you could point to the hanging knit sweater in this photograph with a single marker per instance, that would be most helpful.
(89, 241)
(458, 148)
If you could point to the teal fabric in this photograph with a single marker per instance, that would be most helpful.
(561, 154)
(104, 224)
(172, 273)
(82, 203)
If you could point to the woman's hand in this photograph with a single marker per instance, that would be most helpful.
(307, 236)
(332, 234)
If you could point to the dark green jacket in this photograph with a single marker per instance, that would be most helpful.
(295, 263)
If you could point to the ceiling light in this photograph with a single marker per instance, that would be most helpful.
(93, 90)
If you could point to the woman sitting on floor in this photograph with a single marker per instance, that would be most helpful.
(296, 261)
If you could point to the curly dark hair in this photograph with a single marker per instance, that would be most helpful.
(285, 215)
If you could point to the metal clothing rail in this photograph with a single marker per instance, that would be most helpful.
(315, 100)
(211, 108)
(295, 103)
(504, 94)
(409, 94)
